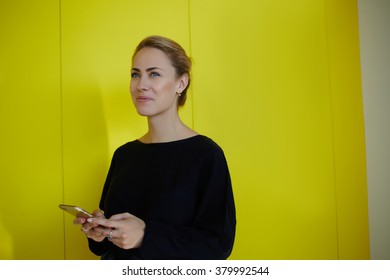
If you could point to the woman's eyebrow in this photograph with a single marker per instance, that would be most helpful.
(153, 68)
(147, 69)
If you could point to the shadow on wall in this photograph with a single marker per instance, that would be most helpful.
(86, 156)
(6, 243)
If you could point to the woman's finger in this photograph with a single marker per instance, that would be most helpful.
(98, 213)
(79, 221)
(120, 216)
(103, 222)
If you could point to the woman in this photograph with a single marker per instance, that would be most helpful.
(168, 194)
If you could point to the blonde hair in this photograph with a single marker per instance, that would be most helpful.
(176, 54)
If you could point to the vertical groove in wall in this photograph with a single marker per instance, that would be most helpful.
(332, 121)
(190, 41)
(61, 124)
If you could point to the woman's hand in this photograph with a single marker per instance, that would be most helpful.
(124, 230)
(92, 231)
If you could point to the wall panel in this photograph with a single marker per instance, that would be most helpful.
(266, 101)
(31, 225)
(348, 122)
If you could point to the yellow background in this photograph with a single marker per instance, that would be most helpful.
(275, 83)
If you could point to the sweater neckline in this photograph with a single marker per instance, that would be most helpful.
(170, 142)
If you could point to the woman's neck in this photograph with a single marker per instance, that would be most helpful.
(166, 130)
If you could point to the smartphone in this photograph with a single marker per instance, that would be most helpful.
(76, 211)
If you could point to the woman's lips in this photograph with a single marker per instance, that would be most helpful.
(144, 99)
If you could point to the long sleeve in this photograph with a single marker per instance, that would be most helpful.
(99, 248)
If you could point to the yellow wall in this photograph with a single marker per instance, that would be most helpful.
(348, 129)
(30, 131)
(275, 83)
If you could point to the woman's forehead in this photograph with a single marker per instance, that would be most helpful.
(151, 57)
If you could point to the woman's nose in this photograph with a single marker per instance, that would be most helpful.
(143, 83)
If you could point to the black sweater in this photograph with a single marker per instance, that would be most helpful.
(183, 193)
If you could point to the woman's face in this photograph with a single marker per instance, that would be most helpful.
(154, 87)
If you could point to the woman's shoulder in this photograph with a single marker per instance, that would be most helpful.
(206, 142)
(205, 145)
(127, 147)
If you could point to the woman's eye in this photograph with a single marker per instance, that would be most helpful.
(134, 75)
(154, 74)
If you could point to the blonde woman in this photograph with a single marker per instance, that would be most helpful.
(168, 194)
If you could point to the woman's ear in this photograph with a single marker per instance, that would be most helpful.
(183, 82)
